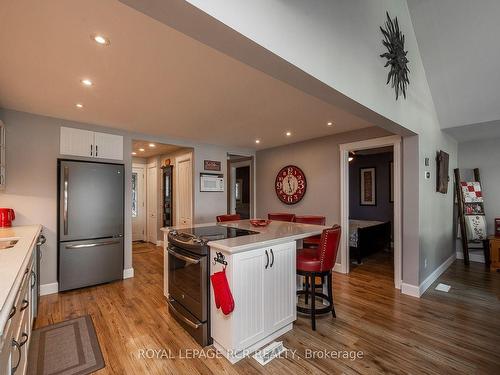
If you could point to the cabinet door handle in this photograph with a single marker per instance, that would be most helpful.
(24, 339)
(272, 260)
(18, 347)
(267, 261)
(91, 150)
(25, 304)
(96, 151)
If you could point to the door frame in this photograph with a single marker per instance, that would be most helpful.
(151, 165)
(179, 159)
(144, 207)
(345, 148)
(242, 161)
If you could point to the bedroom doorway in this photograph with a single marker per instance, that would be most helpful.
(371, 205)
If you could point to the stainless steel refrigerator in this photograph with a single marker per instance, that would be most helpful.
(90, 223)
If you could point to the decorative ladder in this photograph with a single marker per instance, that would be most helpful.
(463, 212)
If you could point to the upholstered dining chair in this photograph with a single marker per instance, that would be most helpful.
(281, 217)
(312, 264)
(311, 242)
(222, 218)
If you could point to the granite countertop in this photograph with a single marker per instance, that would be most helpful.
(13, 261)
(276, 232)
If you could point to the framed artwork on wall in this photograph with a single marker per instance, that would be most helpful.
(367, 187)
(391, 182)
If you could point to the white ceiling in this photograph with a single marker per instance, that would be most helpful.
(151, 79)
(458, 41)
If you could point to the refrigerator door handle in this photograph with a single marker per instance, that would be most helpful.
(92, 244)
(65, 200)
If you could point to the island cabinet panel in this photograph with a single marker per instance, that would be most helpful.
(262, 283)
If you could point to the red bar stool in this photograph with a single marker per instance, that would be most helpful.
(311, 242)
(281, 217)
(318, 263)
(222, 218)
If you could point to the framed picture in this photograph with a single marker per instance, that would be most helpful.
(443, 161)
(212, 165)
(367, 187)
(391, 182)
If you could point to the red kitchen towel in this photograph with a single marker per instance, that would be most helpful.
(222, 292)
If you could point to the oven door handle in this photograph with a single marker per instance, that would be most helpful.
(183, 257)
(182, 317)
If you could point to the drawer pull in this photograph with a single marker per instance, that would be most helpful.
(18, 347)
(24, 339)
(12, 312)
(25, 304)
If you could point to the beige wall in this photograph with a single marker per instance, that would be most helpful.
(319, 159)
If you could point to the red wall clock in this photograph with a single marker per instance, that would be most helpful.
(290, 184)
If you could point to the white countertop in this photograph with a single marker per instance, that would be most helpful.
(13, 262)
(275, 233)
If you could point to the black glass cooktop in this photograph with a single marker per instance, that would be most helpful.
(216, 232)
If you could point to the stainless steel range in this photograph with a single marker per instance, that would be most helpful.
(189, 276)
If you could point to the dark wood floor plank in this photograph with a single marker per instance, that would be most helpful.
(455, 332)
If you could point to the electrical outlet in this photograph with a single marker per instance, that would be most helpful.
(425, 263)
(427, 175)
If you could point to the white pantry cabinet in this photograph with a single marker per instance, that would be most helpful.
(79, 142)
(262, 282)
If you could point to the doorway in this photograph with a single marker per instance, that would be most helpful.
(138, 203)
(240, 186)
(162, 191)
(347, 152)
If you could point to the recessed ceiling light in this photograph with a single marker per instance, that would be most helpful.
(257, 141)
(288, 134)
(141, 150)
(152, 145)
(79, 105)
(100, 39)
(329, 123)
(87, 82)
(134, 153)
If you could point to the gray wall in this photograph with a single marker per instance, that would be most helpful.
(384, 210)
(485, 155)
(31, 183)
(319, 159)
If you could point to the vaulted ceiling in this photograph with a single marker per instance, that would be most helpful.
(458, 42)
(151, 79)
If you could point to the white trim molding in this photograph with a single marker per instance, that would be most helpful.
(395, 142)
(418, 291)
(437, 272)
(159, 243)
(49, 289)
(128, 273)
(473, 256)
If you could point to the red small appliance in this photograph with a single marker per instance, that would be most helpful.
(6, 217)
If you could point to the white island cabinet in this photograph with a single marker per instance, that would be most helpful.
(262, 282)
(261, 273)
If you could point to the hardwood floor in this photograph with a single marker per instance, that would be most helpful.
(455, 332)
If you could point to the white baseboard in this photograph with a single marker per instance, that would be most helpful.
(417, 291)
(128, 273)
(473, 257)
(159, 243)
(410, 290)
(437, 272)
(49, 289)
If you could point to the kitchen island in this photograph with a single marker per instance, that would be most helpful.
(262, 276)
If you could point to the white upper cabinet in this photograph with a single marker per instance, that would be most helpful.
(108, 146)
(78, 142)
